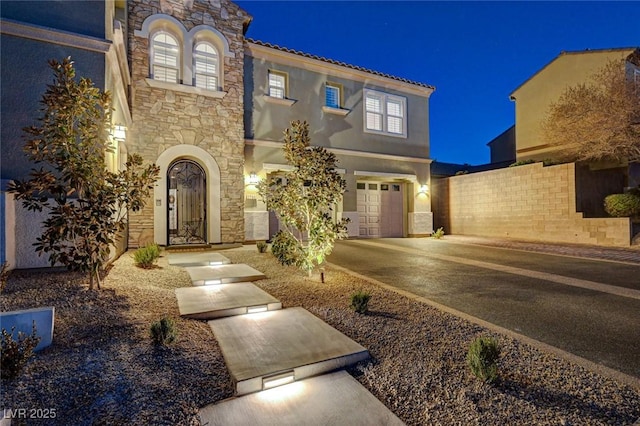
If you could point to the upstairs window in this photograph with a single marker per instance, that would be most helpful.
(332, 95)
(277, 84)
(165, 58)
(205, 66)
(385, 113)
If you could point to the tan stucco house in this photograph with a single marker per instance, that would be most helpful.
(533, 97)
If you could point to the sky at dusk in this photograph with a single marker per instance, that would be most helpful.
(474, 53)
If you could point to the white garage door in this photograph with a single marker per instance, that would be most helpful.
(380, 209)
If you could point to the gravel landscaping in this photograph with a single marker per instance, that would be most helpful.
(103, 369)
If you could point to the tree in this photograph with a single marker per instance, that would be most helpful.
(303, 198)
(86, 204)
(599, 119)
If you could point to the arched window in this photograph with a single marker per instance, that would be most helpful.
(205, 66)
(165, 58)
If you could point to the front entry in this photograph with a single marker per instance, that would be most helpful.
(186, 206)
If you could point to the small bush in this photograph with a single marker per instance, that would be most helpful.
(283, 247)
(360, 301)
(4, 275)
(522, 163)
(147, 256)
(262, 246)
(462, 172)
(164, 332)
(622, 205)
(482, 358)
(16, 353)
(439, 233)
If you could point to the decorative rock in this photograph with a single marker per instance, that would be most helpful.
(170, 96)
(223, 13)
(166, 7)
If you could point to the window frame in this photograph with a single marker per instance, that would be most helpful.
(178, 56)
(339, 90)
(285, 84)
(384, 114)
(216, 75)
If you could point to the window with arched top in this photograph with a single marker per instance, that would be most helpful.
(205, 66)
(165, 57)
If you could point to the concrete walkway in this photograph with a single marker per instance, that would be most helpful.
(628, 255)
(276, 359)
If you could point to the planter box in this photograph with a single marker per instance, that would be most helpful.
(23, 322)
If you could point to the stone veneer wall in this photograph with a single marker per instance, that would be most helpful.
(166, 118)
(527, 202)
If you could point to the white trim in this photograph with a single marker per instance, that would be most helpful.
(336, 111)
(404, 176)
(279, 101)
(274, 167)
(192, 90)
(212, 171)
(193, 32)
(384, 99)
(349, 152)
(50, 35)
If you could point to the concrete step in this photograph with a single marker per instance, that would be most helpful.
(281, 345)
(206, 258)
(223, 274)
(330, 399)
(223, 300)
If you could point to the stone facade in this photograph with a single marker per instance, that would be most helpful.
(529, 202)
(166, 117)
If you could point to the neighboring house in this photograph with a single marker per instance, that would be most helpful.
(503, 146)
(31, 34)
(210, 107)
(534, 96)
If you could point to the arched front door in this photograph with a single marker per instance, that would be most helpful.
(187, 205)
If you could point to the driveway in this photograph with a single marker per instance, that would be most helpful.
(590, 308)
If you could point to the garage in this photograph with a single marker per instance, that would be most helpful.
(380, 209)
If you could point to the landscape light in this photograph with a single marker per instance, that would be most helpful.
(256, 309)
(215, 263)
(278, 380)
(210, 282)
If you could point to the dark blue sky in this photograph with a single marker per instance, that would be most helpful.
(475, 53)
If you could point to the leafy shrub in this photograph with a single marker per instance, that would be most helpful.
(164, 331)
(462, 172)
(439, 233)
(16, 353)
(146, 257)
(482, 358)
(284, 248)
(360, 301)
(262, 246)
(522, 163)
(4, 275)
(622, 205)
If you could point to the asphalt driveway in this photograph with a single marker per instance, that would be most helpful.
(590, 308)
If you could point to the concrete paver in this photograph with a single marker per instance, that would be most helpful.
(331, 399)
(207, 275)
(260, 345)
(207, 258)
(222, 300)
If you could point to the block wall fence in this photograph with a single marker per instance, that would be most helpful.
(530, 202)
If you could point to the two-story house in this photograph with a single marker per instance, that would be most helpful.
(209, 107)
(533, 97)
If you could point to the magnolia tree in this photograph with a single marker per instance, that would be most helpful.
(86, 204)
(598, 120)
(303, 199)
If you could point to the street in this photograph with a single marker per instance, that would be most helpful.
(589, 308)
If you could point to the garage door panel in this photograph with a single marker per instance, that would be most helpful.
(381, 210)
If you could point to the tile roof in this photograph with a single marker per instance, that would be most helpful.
(342, 64)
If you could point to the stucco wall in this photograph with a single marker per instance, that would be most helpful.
(534, 97)
(266, 121)
(528, 202)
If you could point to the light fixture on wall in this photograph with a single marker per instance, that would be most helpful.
(119, 132)
(253, 179)
(424, 189)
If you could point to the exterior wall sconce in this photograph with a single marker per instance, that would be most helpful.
(253, 179)
(424, 189)
(277, 380)
(119, 132)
